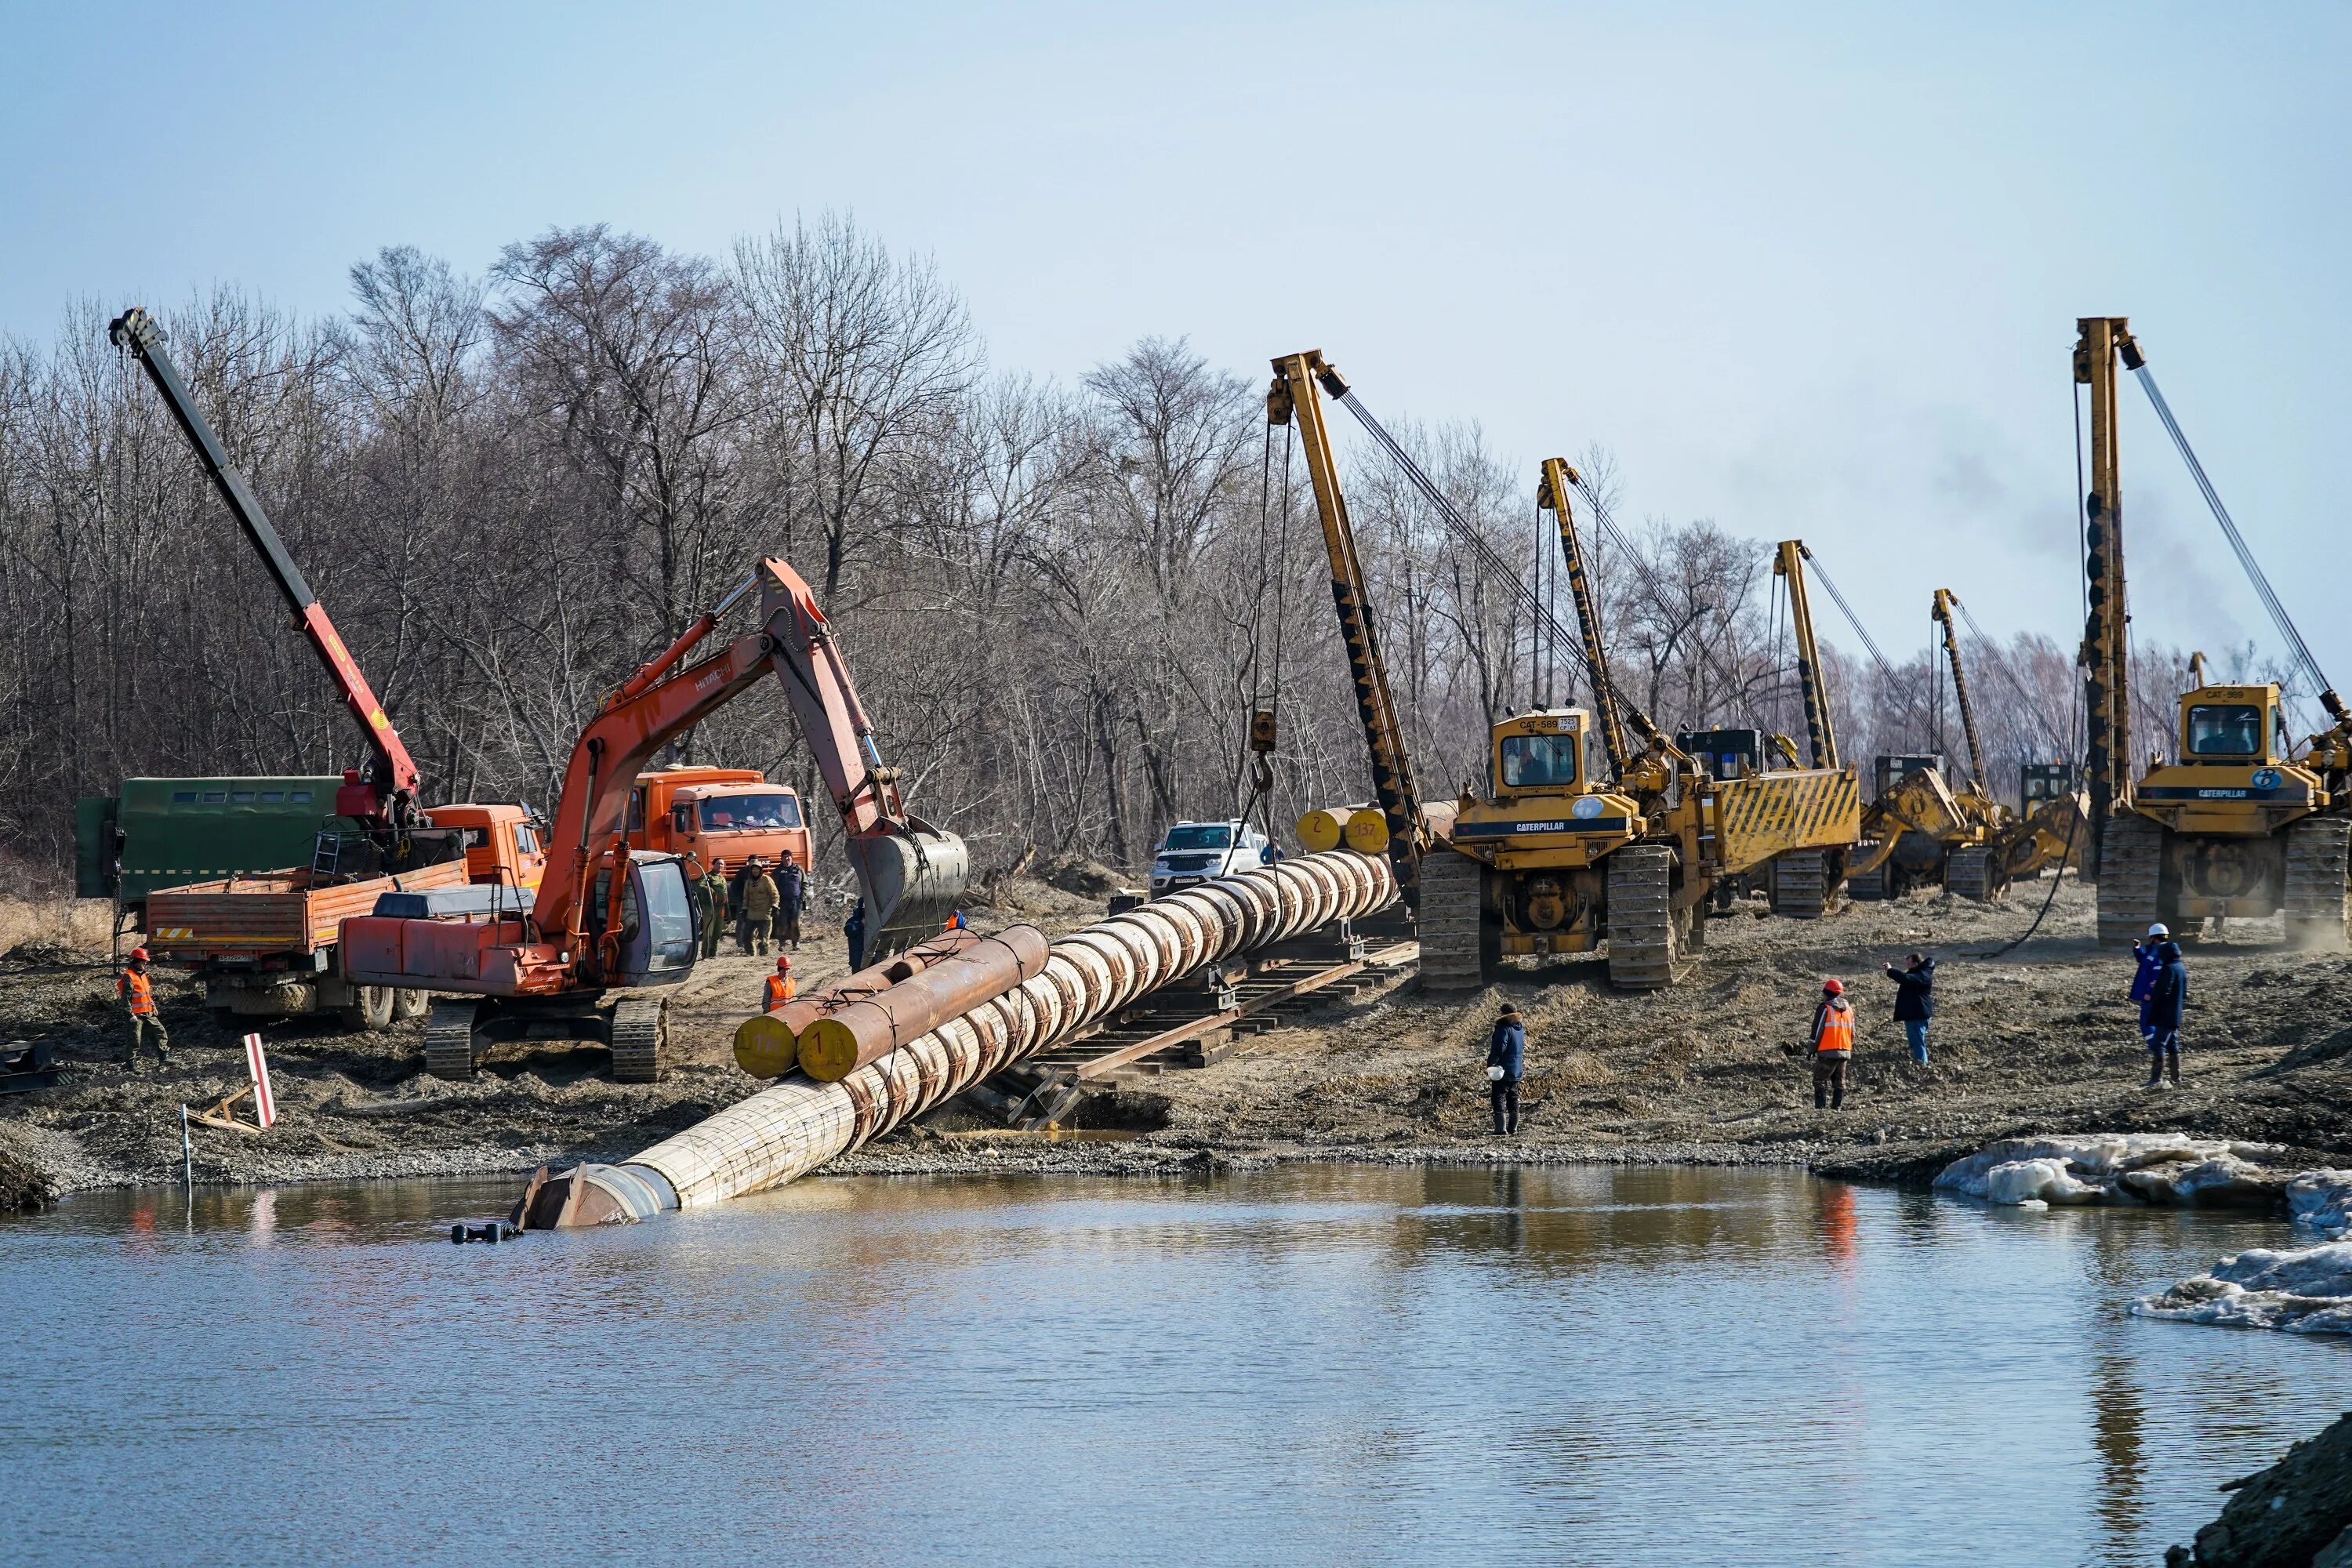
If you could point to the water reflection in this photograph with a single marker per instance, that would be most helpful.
(1319, 1365)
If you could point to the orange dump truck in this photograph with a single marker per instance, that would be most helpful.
(265, 945)
(703, 814)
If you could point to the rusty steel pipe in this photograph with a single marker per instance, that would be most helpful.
(790, 1128)
(871, 1028)
(767, 1045)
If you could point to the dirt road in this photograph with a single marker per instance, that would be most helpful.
(2040, 1040)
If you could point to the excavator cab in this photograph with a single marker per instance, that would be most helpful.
(657, 924)
(1541, 753)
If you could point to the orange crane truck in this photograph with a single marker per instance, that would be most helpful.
(264, 941)
(611, 933)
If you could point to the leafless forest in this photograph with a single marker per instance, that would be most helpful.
(1060, 601)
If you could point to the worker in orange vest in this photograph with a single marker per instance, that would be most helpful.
(1832, 1045)
(779, 985)
(137, 991)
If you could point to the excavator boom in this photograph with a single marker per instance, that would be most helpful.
(392, 787)
(909, 873)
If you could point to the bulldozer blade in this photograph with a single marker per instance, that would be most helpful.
(912, 879)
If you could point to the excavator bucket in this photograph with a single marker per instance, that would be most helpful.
(912, 878)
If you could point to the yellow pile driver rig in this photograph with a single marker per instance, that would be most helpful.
(2246, 821)
(1554, 859)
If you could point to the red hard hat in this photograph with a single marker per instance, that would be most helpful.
(1833, 987)
(783, 961)
(138, 955)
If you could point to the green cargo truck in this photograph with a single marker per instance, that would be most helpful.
(167, 833)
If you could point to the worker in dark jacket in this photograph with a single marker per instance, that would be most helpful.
(1507, 1059)
(1915, 1001)
(2146, 962)
(854, 930)
(791, 886)
(2167, 1000)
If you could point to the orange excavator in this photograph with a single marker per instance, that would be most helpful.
(584, 964)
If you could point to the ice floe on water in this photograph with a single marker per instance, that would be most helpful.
(2119, 1168)
(2306, 1291)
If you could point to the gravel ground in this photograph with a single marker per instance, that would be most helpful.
(2040, 1040)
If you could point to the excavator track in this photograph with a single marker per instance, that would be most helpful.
(1967, 873)
(1801, 885)
(1642, 947)
(640, 1038)
(1449, 921)
(2318, 857)
(449, 1038)
(2131, 864)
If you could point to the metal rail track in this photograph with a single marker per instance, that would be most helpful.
(1191, 1026)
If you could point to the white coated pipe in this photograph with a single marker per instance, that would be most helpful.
(787, 1130)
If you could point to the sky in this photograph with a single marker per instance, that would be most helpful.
(1809, 272)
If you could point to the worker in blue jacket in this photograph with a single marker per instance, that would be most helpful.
(2167, 1000)
(2144, 954)
(1507, 1057)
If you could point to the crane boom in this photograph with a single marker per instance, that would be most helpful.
(1295, 398)
(391, 791)
(1943, 613)
(1821, 732)
(1552, 490)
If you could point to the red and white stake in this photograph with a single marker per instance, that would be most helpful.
(265, 1105)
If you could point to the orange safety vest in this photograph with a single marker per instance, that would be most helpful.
(138, 990)
(779, 991)
(1837, 1027)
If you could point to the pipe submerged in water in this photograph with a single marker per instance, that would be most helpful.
(787, 1130)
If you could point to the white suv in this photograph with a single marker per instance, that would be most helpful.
(1197, 852)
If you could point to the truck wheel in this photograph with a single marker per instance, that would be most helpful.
(640, 1039)
(408, 1004)
(2131, 864)
(449, 1039)
(2318, 851)
(1642, 947)
(371, 1009)
(1450, 924)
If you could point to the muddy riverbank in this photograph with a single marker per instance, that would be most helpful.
(2038, 1040)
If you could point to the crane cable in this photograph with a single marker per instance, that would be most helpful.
(2262, 590)
(2000, 667)
(1885, 670)
(1592, 495)
(1266, 693)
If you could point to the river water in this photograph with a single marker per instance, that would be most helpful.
(1315, 1365)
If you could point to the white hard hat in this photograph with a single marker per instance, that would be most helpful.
(2158, 930)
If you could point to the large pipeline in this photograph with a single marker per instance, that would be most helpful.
(789, 1130)
(860, 1032)
(767, 1045)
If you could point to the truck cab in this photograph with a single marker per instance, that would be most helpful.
(1196, 852)
(703, 814)
(503, 843)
